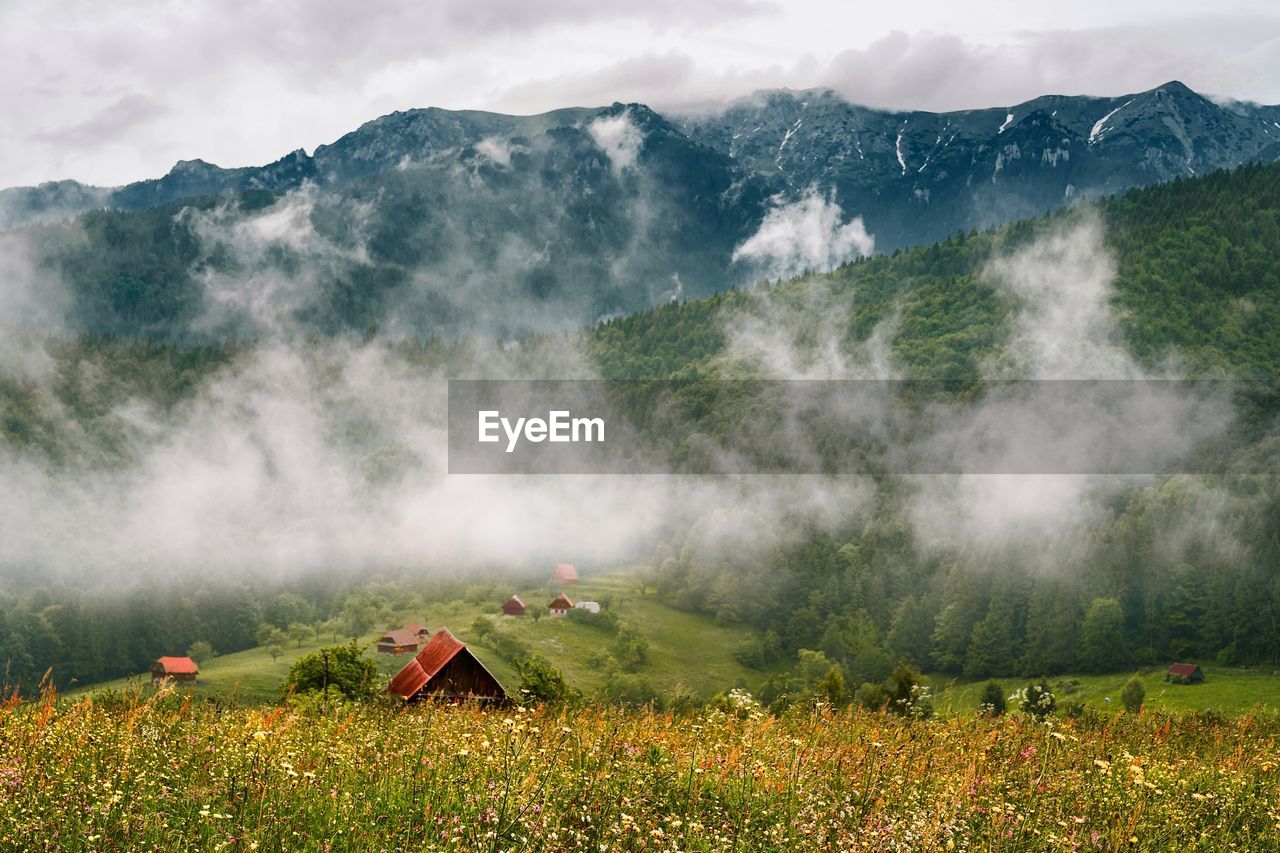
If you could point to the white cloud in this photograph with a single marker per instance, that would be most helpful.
(806, 234)
(108, 93)
(619, 138)
(497, 150)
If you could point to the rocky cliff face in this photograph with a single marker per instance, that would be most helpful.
(913, 176)
(918, 176)
(459, 222)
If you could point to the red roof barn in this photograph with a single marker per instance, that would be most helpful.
(560, 605)
(179, 670)
(513, 606)
(402, 640)
(1184, 673)
(446, 669)
(564, 573)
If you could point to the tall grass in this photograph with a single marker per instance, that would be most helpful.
(131, 771)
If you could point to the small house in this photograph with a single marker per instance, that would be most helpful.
(513, 606)
(589, 606)
(402, 640)
(1184, 673)
(177, 670)
(564, 573)
(446, 669)
(560, 605)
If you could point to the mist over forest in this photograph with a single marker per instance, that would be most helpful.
(257, 414)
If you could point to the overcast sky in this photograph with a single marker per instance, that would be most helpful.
(109, 92)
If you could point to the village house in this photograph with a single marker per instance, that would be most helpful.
(564, 573)
(513, 606)
(402, 640)
(589, 606)
(446, 669)
(560, 605)
(178, 670)
(1184, 673)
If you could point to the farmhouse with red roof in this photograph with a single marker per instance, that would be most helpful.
(402, 640)
(446, 669)
(564, 573)
(178, 670)
(1184, 673)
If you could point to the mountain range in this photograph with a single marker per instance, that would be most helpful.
(432, 220)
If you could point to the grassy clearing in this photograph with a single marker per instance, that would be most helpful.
(1227, 690)
(686, 650)
(141, 772)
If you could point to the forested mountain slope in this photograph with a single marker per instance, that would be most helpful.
(1103, 574)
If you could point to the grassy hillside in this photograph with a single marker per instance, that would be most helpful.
(687, 652)
(1226, 690)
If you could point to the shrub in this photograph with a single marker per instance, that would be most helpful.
(1035, 699)
(738, 703)
(631, 649)
(200, 651)
(508, 647)
(344, 669)
(604, 620)
(1133, 695)
(991, 703)
(630, 689)
(873, 696)
(908, 693)
(759, 651)
(481, 627)
(541, 682)
(830, 689)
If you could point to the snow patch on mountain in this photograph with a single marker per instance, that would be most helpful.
(1101, 124)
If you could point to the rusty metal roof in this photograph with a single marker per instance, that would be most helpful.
(1183, 669)
(402, 637)
(561, 601)
(565, 572)
(176, 666)
(425, 664)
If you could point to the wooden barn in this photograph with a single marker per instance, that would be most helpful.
(177, 670)
(564, 573)
(446, 669)
(1184, 673)
(560, 605)
(513, 606)
(402, 640)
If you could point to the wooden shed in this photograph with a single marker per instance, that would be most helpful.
(564, 573)
(175, 669)
(402, 640)
(513, 606)
(1184, 673)
(560, 605)
(446, 669)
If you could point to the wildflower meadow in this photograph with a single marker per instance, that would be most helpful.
(166, 771)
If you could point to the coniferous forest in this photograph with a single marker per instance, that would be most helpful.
(1166, 568)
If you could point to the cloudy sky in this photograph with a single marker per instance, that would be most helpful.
(112, 92)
